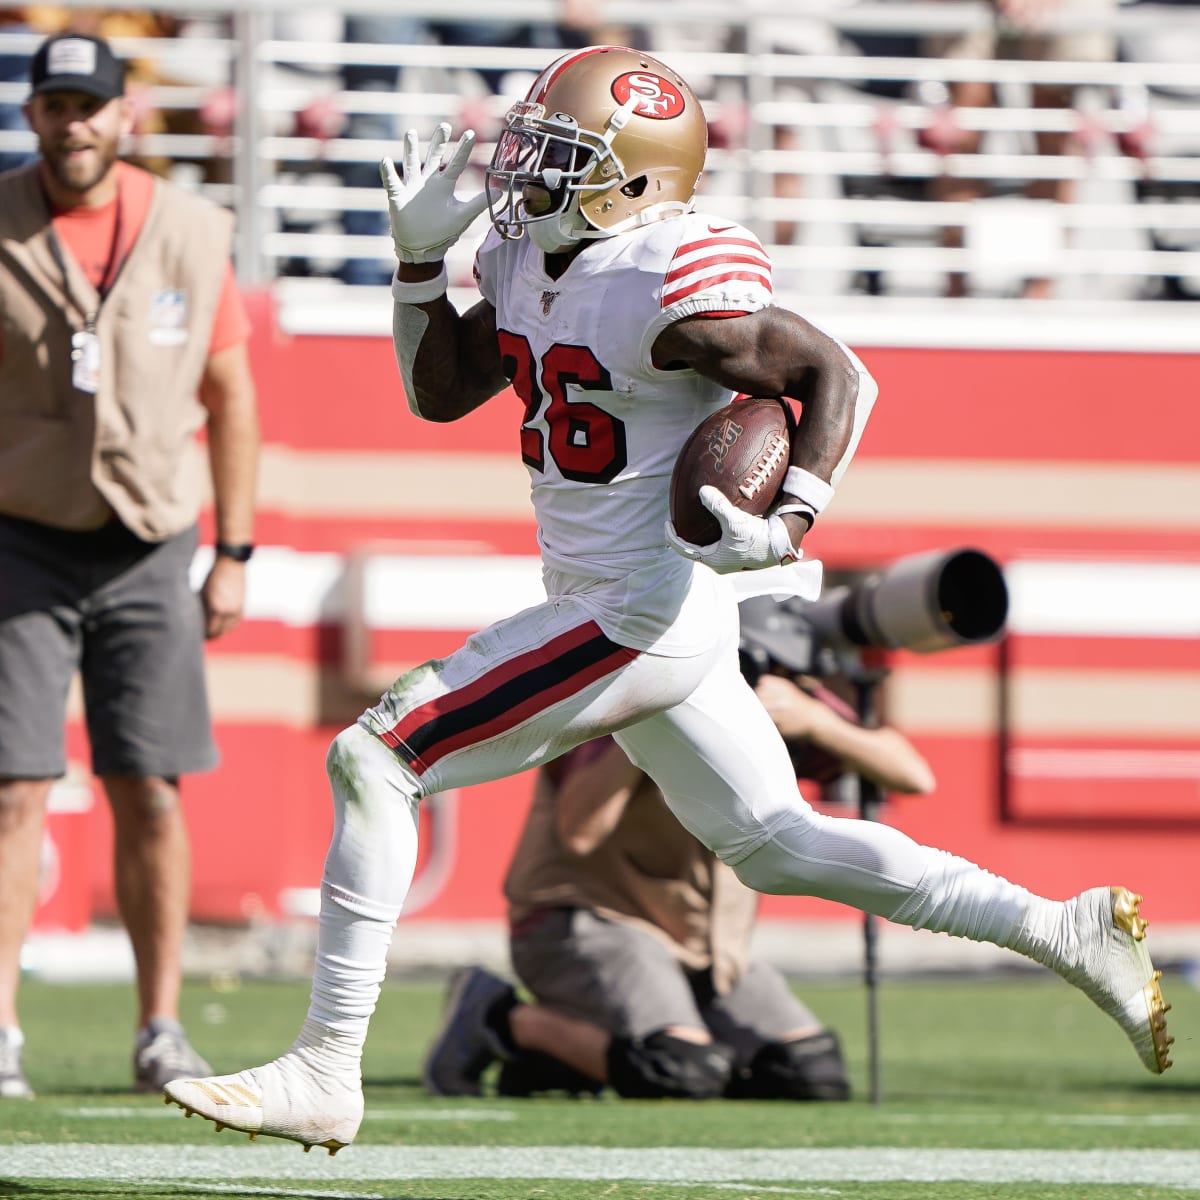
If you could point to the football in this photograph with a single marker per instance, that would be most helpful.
(743, 450)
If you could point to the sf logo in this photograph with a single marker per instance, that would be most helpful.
(657, 98)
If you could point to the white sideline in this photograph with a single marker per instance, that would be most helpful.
(1165, 1168)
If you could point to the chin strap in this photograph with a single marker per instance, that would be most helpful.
(648, 216)
(552, 235)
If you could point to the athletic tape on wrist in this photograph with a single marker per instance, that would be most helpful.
(800, 507)
(807, 487)
(422, 292)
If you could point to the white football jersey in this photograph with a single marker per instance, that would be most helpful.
(602, 425)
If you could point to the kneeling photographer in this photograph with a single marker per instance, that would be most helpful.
(632, 939)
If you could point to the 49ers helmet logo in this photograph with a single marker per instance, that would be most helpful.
(658, 98)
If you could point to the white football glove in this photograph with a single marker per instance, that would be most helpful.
(427, 218)
(747, 543)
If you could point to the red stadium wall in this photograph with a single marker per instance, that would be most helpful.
(1030, 456)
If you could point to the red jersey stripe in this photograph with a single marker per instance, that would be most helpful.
(681, 293)
(704, 243)
(714, 260)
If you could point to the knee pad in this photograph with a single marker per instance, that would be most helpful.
(348, 750)
(359, 764)
(662, 1065)
(808, 1068)
(341, 755)
(373, 849)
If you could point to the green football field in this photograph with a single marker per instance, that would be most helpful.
(1002, 1086)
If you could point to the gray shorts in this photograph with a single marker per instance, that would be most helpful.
(625, 980)
(121, 612)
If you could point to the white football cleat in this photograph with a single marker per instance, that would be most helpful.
(286, 1098)
(1108, 960)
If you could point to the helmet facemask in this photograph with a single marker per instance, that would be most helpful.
(541, 165)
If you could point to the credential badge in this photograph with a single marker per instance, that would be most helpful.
(168, 317)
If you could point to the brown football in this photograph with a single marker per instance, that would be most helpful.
(743, 450)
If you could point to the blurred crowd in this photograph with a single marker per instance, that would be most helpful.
(334, 106)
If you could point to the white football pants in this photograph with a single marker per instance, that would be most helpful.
(529, 688)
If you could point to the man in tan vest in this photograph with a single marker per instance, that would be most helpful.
(633, 939)
(124, 335)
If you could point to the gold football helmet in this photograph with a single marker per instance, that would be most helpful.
(607, 139)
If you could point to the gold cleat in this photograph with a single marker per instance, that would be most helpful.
(237, 1102)
(1106, 956)
(332, 1146)
(189, 1113)
(1126, 915)
(1158, 1021)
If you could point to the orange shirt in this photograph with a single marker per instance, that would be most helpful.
(88, 234)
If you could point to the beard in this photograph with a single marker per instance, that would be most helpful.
(81, 174)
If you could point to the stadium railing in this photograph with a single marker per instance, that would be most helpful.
(254, 107)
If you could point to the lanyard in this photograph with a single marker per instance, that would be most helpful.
(112, 268)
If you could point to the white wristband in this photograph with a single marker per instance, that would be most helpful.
(422, 292)
(809, 488)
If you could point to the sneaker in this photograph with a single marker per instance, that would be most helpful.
(288, 1098)
(13, 1084)
(162, 1053)
(464, 1046)
(1111, 964)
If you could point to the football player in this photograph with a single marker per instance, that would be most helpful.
(621, 316)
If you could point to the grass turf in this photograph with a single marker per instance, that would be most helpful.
(1012, 1069)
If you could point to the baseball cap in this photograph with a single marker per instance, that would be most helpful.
(75, 62)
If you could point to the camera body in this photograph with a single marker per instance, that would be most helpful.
(781, 637)
(924, 603)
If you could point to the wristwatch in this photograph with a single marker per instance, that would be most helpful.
(238, 551)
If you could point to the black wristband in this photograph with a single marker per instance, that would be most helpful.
(238, 551)
(799, 507)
